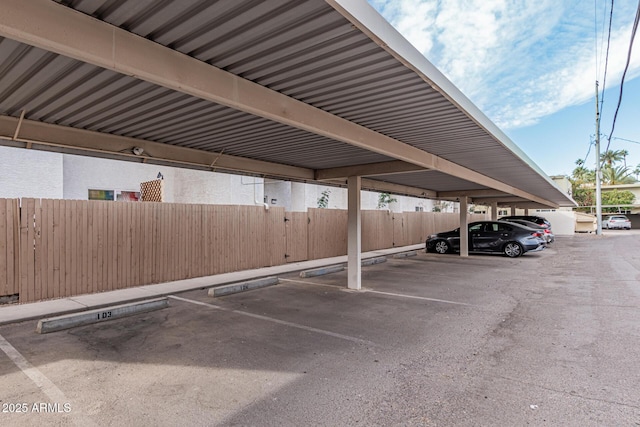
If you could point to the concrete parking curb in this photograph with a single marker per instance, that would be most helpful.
(68, 321)
(405, 254)
(234, 288)
(376, 260)
(321, 271)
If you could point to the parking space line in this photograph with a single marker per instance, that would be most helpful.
(217, 307)
(420, 298)
(44, 384)
(306, 282)
(381, 292)
(283, 322)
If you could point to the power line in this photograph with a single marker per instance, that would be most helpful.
(628, 140)
(624, 74)
(606, 61)
(588, 151)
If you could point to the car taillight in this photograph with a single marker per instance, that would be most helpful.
(547, 231)
(536, 234)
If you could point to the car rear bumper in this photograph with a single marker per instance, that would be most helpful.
(535, 248)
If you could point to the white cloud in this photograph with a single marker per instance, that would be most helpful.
(518, 60)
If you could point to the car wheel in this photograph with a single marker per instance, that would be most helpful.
(441, 247)
(512, 250)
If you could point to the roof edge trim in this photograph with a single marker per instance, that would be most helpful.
(362, 15)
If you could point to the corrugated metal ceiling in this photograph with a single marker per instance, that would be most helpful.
(302, 48)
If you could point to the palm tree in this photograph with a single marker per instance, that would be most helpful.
(636, 172)
(624, 154)
(582, 174)
(610, 157)
(617, 175)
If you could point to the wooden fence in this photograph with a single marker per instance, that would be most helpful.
(59, 248)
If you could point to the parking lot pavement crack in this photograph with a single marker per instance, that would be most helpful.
(566, 393)
(284, 322)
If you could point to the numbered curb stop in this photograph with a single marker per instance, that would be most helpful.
(67, 321)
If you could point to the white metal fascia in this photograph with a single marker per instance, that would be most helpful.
(57, 28)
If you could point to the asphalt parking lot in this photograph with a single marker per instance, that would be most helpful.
(550, 338)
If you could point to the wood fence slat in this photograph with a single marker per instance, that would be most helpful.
(149, 221)
(5, 229)
(112, 247)
(129, 257)
(122, 243)
(85, 250)
(27, 250)
(92, 243)
(39, 268)
(139, 242)
(48, 207)
(97, 246)
(67, 254)
(56, 248)
(13, 250)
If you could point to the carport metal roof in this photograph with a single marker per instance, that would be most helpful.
(307, 90)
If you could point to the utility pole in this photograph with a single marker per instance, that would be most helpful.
(598, 170)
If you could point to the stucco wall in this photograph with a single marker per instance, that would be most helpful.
(30, 173)
(192, 186)
(180, 185)
(40, 174)
(298, 197)
(83, 173)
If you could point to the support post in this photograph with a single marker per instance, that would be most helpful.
(494, 211)
(598, 169)
(464, 228)
(354, 242)
(513, 210)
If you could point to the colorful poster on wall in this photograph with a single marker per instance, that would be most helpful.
(128, 196)
(101, 195)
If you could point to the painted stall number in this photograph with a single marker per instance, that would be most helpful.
(104, 315)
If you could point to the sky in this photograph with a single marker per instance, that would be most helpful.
(532, 67)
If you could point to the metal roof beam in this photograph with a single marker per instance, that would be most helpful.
(371, 169)
(51, 26)
(388, 187)
(472, 193)
(33, 132)
(508, 201)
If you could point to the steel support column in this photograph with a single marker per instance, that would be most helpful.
(464, 228)
(494, 211)
(354, 242)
